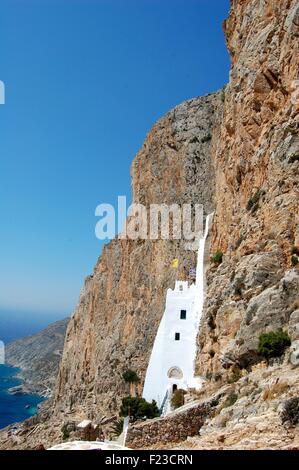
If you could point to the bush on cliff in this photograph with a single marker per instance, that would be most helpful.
(253, 202)
(217, 257)
(273, 344)
(235, 375)
(291, 411)
(206, 138)
(138, 408)
(230, 400)
(130, 376)
(65, 432)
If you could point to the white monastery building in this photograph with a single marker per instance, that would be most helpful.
(172, 361)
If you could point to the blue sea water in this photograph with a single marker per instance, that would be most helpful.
(14, 408)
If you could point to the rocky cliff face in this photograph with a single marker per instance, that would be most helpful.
(256, 174)
(38, 356)
(255, 289)
(121, 305)
(248, 174)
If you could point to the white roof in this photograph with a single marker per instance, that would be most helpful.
(84, 423)
(86, 445)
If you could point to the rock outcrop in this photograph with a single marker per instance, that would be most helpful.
(38, 356)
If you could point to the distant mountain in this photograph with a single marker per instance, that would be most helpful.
(38, 357)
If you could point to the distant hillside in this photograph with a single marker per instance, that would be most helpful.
(38, 357)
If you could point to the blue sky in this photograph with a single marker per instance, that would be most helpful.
(85, 80)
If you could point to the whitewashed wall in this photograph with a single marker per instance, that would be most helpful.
(167, 352)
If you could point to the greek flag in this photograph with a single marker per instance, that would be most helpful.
(192, 272)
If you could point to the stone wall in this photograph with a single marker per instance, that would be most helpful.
(176, 427)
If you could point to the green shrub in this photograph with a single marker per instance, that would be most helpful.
(273, 344)
(294, 158)
(290, 411)
(130, 376)
(222, 96)
(138, 408)
(294, 260)
(177, 399)
(217, 257)
(235, 375)
(231, 400)
(117, 427)
(253, 202)
(238, 287)
(212, 353)
(295, 251)
(65, 432)
(211, 322)
(206, 138)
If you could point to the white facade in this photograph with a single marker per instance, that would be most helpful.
(172, 359)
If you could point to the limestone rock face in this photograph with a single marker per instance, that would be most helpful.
(237, 153)
(121, 305)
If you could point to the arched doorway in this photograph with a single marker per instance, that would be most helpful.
(174, 388)
(175, 373)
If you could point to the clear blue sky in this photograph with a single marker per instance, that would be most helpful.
(85, 80)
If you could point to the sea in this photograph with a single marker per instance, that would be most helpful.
(14, 408)
(14, 325)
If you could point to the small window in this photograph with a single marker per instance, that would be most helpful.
(181, 288)
(183, 314)
(177, 336)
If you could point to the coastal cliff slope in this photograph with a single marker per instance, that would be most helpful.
(38, 356)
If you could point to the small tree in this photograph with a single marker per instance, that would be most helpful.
(273, 344)
(291, 411)
(138, 408)
(235, 375)
(294, 260)
(117, 427)
(230, 400)
(131, 377)
(217, 257)
(65, 432)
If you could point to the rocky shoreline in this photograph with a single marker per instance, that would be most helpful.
(37, 357)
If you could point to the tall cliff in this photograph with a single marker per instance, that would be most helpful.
(122, 303)
(256, 174)
(255, 289)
